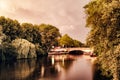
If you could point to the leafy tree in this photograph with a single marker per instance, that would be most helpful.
(42, 36)
(50, 35)
(103, 17)
(67, 41)
(11, 28)
(2, 38)
(31, 33)
(78, 44)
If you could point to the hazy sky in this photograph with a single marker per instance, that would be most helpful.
(67, 15)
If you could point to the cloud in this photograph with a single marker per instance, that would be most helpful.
(67, 15)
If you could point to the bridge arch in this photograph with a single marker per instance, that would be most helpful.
(76, 52)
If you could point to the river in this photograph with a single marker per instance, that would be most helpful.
(53, 67)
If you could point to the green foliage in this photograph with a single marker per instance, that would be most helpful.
(2, 56)
(67, 41)
(11, 28)
(104, 20)
(45, 36)
(7, 52)
(78, 44)
(39, 51)
(50, 35)
(31, 33)
(24, 48)
(2, 38)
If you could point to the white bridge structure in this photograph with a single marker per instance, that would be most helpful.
(66, 50)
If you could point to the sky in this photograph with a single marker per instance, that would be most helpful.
(67, 15)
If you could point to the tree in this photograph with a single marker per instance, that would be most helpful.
(78, 43)
(2, 38)
(43, 36)
(103, 17)
(66, 41)
(50, 35)
(10, 27)
(31, 33)
(23, 49)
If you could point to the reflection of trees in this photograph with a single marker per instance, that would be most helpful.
(79, 70)
(66, 65)
(64, 61)
(33, 69)
(45, 69)
(16, 70)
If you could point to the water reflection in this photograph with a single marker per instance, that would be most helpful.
(16, 71)
(55, 67)
(80, 70)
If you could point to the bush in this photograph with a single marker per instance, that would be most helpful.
(24, 48)
(39, 51)
(7, 52)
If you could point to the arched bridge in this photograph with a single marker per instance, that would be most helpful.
(67, 50)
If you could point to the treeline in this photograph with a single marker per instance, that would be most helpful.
(26, 40)
(103, 17)
(67, 41)
(14, 36)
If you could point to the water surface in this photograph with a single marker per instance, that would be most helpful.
(54, 67)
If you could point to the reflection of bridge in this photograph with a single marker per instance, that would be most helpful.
(66, 50)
